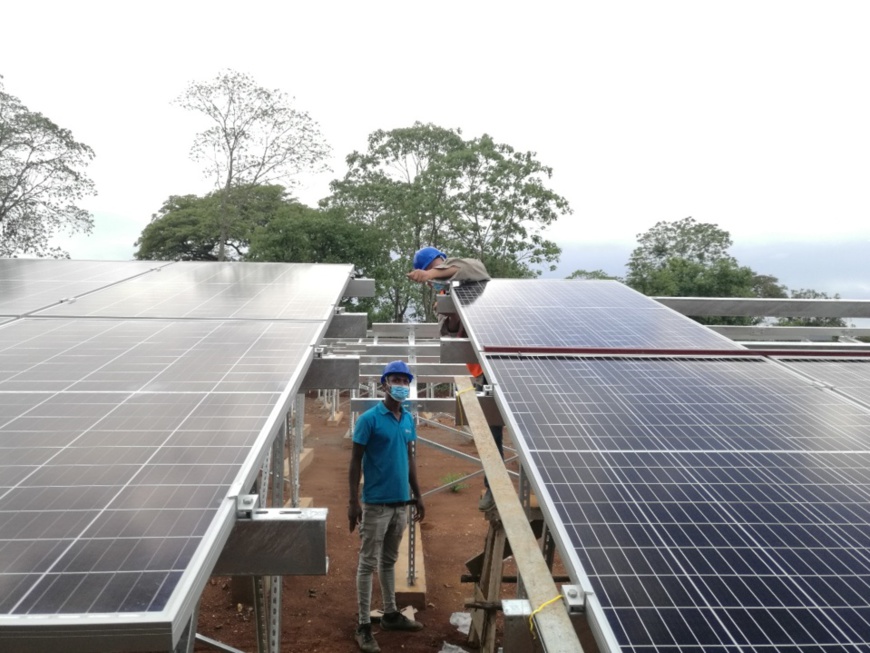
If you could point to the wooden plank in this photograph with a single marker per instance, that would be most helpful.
(553, 624)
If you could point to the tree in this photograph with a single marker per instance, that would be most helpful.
(256, 137)
(812, 321)
(592, 274)
(305, 235)
(690, 259)
(187, 226)
(685, 239)
(41, 181)
(426, 185)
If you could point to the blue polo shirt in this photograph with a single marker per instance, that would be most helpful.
(385, 462)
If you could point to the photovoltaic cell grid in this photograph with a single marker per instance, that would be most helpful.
(851, 377)
(28, 285)
(715, 505)
(122, 440)
(576, 314)
(219, 290)
(119, 440)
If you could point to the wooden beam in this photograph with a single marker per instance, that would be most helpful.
(553, 624)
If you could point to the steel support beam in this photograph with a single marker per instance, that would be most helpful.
(788, 333)
(360, 288)
(332, 372)
(457, 350)
(347, 325)
(402, 329)
(757, 307)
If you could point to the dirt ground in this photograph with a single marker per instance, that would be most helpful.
(319, 612)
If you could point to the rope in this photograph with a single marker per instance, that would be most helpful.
(536, 611)
(466, 390)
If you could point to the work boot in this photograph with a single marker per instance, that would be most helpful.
(365, 640)
(398, 621)
(487, 501)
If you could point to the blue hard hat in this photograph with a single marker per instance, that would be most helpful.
(397, 367)
(425, 256)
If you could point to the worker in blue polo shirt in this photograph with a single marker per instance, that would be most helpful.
(382, 452)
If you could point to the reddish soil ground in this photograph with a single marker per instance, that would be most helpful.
(319, 612)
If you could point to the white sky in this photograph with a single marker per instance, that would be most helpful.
(754, 115)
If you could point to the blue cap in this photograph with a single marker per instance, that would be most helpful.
(425, 256)
(397, 367)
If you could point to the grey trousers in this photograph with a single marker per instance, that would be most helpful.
(380, 535)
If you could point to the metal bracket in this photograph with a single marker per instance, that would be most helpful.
(246, 504)
(575, 598)
(276, 542)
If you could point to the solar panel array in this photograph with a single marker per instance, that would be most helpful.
(561, 313)
(123, 442)
(715, 504)
(27, 285)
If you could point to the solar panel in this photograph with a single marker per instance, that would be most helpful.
(715, 505)
(124, 442)
(576, 314)
(27, 285)
(120, 443)
(851, 377)
(220, 290)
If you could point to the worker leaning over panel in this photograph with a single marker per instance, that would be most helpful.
(431, 266)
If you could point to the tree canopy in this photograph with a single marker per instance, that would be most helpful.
(686, 258)
(42, 180)
(427, 185)
(187, 228)
(256, 137)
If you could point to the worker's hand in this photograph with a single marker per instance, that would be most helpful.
(419, 509)
(420, 276)
(354, 514)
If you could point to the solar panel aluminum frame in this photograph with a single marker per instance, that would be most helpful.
(83, 633)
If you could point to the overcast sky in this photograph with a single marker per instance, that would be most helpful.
(753, 115)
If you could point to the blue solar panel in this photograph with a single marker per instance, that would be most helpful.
(715, 505)
(130, 419)
(850, 377)
(119, 443)
(576, 314)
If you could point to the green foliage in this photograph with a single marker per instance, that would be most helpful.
(690, 259)
(451, 480)
(41, 181)
(592, 274)
(306, 235)
(256, 136)
(812, 321)
(426, 185)
(187, 226)
(687, 240)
